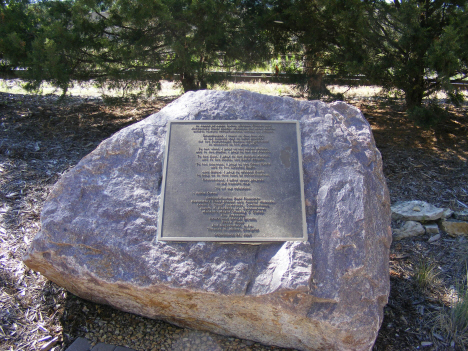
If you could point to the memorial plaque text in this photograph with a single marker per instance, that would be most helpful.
(232, 181)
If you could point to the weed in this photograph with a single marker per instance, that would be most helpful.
(426, 275)
(456, 97)
(427, 116)
(391, 96)
(110, 100)
(460, 311)
(452, 323)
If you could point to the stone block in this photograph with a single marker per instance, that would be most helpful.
(455, 228)
(432, 228)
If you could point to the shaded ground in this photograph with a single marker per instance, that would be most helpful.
(429, 165)
(40, 140)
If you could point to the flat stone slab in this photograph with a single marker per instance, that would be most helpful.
(103, 347)
(80, 344)
(420, 211)
(99, 226)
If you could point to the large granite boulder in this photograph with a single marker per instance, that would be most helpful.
(99, 225)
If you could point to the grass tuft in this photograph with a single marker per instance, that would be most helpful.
(426, 275)
(428, 116)
(452, 322)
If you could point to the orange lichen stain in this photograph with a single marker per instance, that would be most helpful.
(90, 250)
(123, 287)
(106, 266)
(351, 341)
(159, 305)
(249, 316)
(192, 306)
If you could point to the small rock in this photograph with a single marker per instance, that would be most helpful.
(461, 215)
(434, 238)
(454, 227)
(447, 213)
(431, 228)
(410, 228)
(426, 343)
(416, 211)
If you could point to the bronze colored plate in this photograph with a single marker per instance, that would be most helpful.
(235, 181)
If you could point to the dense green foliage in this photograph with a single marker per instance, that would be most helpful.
(322, 32)
(17, 31)
(416, 46)
(127, 43)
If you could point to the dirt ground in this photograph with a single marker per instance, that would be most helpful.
(40, 139)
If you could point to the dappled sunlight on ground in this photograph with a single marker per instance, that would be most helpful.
(41, 138)
(171, 88)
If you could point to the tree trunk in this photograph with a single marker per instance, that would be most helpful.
(188, 82)
(414, 92)
(315, 85)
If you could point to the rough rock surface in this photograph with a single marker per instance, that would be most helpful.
(434, 238)
(461, 215)
(99, 224)
(447, 213)
(409, 228)
(416, 211)
(455, 228)
(432, 228)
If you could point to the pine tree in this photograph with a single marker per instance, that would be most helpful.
(17, 26)
(136, 43)
(319, 31)
(415, 46)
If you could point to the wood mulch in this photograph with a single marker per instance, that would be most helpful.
(40, 139)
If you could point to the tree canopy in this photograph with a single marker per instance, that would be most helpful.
(135, 42)
(416, 46)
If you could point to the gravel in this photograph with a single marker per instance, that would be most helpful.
(106, 325)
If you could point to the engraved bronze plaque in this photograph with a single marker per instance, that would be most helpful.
(232, 181)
